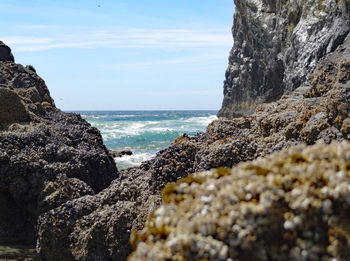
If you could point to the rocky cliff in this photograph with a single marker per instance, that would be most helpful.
(46, 156)
(276, 45)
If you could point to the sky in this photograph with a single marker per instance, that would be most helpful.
(124, 54)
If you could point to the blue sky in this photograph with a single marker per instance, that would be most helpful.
(124, 54)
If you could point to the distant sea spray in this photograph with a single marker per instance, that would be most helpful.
(145, 132)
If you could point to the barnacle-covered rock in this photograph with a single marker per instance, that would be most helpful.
(292, 205)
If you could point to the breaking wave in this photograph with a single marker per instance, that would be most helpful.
(145, 132)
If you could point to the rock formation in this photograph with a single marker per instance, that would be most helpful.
(292, 205)
(47, 157)
(119, 154)
(55, 165)
(319, 111)
(5, 53)
(276, 45)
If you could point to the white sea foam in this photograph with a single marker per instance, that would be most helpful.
(121, 130)
(202, 120)
(117, 130)
(94, 117)
(147, 134)
(125, 116)
(132, 160)
(161, 129)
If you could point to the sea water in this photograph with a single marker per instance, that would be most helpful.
(145, 132)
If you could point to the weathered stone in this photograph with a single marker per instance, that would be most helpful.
(47, 157)
(119, 154)
(59, 191)
(97, 227)
(11, 107)
(276, 45)
(31, 89)
(5, 53)
(292, 205)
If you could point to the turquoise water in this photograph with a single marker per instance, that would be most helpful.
(145, 132)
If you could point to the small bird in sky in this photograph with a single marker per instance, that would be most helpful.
(99, 6)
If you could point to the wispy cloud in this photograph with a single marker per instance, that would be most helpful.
(26, 41)
(35, 26)
(201, 59)
(187, 92)
(123, 38)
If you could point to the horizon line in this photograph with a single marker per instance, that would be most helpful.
(137, 110)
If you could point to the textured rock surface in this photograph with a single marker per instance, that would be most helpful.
(292, 205)
(97, 224)
(97, 227)
(46, 156)
(12, 109)
(276, 44)
(5, 53)
(119, 154)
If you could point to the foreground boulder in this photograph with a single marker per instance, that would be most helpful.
(292, 205)
(46, 156)
(99, 226)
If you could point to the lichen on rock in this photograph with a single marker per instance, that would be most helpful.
(292, 205)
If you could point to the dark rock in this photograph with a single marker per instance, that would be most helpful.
(119, 154)
(12, 109)
(47, 157)
(31, 89)
(276, 45)
(98, 227)
(5, 53)
(60, 191)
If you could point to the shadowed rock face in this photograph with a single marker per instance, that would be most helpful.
(46, 156)
(98, 227)
(276, 45)
(5, 53)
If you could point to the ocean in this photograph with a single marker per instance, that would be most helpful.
(145, 132)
